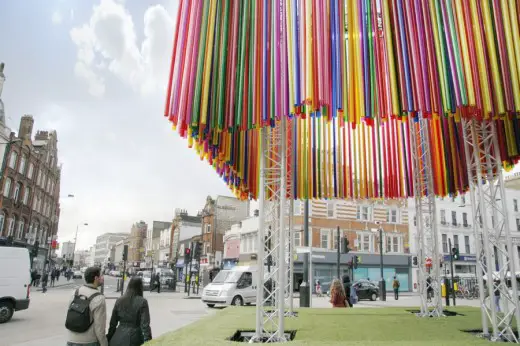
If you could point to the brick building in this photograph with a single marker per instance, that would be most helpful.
(136, 248)
(30, 180)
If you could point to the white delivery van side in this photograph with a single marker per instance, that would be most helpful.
(15, 279)
(232, 287)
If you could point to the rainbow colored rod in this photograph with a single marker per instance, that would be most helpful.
(352, 77)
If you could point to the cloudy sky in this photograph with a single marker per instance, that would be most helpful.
(95, 70)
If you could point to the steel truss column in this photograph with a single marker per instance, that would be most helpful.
(492, 232)
(270, 291)
(289, 240)
(427, 237)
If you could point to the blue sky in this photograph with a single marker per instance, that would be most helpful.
(96, 72)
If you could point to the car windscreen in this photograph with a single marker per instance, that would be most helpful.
(227, 276)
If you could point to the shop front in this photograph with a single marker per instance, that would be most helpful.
(324, 268)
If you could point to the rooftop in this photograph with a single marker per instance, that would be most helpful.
(512, 181)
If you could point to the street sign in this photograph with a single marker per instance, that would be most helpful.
(428, 262)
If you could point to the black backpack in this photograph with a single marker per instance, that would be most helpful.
(78, 316)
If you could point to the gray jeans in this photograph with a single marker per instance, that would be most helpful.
(69, 343)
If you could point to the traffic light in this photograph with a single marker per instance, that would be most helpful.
(345, 247)
(197, 251)
(125, 253)
(187, 255)
(455, 253)
(415, 260)
(356, 261)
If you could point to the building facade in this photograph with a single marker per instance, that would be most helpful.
(104, 244)
(153, 240)
(184, 227)
(67, 250)
(358, 222)
(217, 217)
(29, 202)
(81, 258)
(137, 242)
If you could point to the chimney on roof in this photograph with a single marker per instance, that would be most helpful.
(26, 127)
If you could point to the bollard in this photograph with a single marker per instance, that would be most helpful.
(103, 289)
(304, 295)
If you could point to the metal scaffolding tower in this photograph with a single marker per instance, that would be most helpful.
(289, 240)
(427, 238)
(491, 226)
(270, 308)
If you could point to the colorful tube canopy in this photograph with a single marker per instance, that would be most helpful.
(352, 78)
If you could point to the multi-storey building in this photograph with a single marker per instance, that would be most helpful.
(31, 179)
(137, 239)
(81, 258)
(104, 244)
(217, 217)
(67, 250)
(183, 229)
(358, 222)
(455, 226)
(153, 239)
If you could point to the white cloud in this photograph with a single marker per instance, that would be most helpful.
(57, 18)
(109, 41)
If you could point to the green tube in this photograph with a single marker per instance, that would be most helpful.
(243, 34)
(200, 66)
(215, 78)
(250, 87)
(222, 67)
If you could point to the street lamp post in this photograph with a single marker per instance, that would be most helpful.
(382, 282)
(76, 240)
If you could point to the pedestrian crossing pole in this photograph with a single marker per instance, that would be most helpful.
(125, 258)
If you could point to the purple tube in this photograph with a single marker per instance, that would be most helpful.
(422, 52)
(449, 44)
(194, 57)
(177, 73)
(406, 64)
(264, 62)
(296, 40)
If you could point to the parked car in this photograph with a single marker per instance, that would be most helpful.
(77, 274)
(146, 276)
(366, 290)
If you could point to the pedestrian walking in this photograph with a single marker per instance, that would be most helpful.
(34, 276)
(58, 273)
(396, 284)
(130, 321)
(156, 281)
(346, 287)
(45, 279)
(87, 314)
(497, 296)
(53, 277)
(338, 299)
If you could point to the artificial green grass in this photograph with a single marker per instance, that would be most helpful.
(357, 326)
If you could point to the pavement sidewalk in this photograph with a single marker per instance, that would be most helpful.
(57, 284)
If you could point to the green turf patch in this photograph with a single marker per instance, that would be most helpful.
(358, 326)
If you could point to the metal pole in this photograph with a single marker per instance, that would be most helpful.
(381, 265)
(338, 252)
(306, 243)
(261, 238)
(452, 288)
(189, 274)
(123, 280)
(291, 258)
(311, 276)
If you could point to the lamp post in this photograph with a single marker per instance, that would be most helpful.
(382, 282)
(76, 239)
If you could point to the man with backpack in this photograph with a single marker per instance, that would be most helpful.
(395, 285)
(87, 315)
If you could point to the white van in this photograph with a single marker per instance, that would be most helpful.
(15, 280)
(232, 287)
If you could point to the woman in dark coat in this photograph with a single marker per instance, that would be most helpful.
(133, 316)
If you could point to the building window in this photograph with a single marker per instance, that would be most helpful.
(363, 213)
(12, 222)
(466, 243)
(515, 205)
(39, 177)
(415, 220)
(16, 193)
(465, 219)
(393, 243)
(391, 216)
(443, 216)
(7, 188)
(297, 211)
(19, 233)
(330, 208)
(26, 195)
(208, 228)
(21, 169)
(12, 159)
(454, 218)
(518, 224)
(324, 238)
(298, 238)
(444, 243)
(364, 242)
(2, 218)
(456, 241)
(30, 171)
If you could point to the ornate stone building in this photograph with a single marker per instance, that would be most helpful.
(30, 186)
